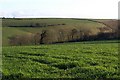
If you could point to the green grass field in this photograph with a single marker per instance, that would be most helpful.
(85, 60)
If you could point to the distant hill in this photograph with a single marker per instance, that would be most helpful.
(58, 29)
(112, 23)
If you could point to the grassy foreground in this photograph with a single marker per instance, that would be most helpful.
(85, 60)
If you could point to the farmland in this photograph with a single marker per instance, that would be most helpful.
(84, 60)
(59, 48)
(71, 29)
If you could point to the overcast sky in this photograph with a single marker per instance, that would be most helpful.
(60, 8)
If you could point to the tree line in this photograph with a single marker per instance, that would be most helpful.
(49, 36)
(37, 25)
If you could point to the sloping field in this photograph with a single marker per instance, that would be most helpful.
(16, 26)
(112, 23)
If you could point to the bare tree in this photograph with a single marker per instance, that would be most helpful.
(21, 39)
(74, 33)
(37, 38)
(43, 35)
(61, 35)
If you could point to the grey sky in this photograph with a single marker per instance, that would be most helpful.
(59, 8)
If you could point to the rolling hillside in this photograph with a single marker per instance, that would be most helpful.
(12, 27)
